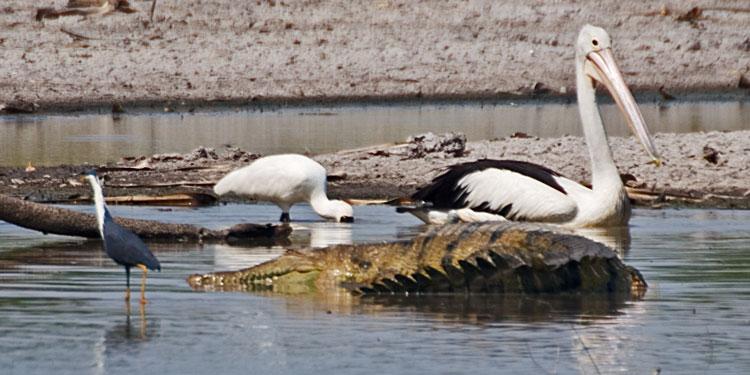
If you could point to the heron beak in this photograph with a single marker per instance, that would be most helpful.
(600, 66)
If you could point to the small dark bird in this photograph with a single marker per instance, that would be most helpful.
(122, 245)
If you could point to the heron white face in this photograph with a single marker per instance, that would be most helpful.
(593, 51)
(91, 179)
(98, 199)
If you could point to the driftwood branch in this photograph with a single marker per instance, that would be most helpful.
(56, 220)
(659, 198)
(153, 8)
(76, 35)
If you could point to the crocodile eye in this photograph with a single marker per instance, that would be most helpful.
(595, 42)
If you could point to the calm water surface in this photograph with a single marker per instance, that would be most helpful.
(61, 308)
(97, 138)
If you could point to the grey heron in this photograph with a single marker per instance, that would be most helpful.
(120, 244)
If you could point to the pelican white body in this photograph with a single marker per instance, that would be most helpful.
(514, 190)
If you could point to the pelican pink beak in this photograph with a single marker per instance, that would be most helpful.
(600, 66)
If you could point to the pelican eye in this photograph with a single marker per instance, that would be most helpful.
(595, 42)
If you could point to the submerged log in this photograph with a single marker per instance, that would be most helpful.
(56, 220)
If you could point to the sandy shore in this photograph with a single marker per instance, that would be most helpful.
(700, 165)
(700, 170)
(277, 51)
(256, 51)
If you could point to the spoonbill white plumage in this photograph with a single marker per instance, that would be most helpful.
(487, 190)
(285, 180)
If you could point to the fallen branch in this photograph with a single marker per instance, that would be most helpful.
(162, 184)
(658, 198)
(77, 35)
(153, 8)
(180, 199)
(56, 220)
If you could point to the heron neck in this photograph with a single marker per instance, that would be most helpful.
(604, 175)
(101, 209)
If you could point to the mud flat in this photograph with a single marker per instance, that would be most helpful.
(700, 169)
(251, 53)
(291, 51)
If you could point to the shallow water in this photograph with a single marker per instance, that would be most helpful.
(61, 308)
(97, 138)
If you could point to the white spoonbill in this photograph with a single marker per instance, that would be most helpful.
(515, 190)
(285, 180)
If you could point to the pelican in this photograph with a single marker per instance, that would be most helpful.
(120, 244)
(486, 190)
(285, 180)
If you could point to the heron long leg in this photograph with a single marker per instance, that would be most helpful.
(143, 284)
(127, 284)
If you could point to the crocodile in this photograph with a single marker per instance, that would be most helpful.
(499, 257)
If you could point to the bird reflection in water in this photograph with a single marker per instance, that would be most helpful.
(135, 328)
(124, 339)
(329, 234)
(129, 330)
(315, 235)
(617, 238)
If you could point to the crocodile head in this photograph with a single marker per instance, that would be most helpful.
(293, 272)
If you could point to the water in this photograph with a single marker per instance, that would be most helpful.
(61, 308)
(98, 138)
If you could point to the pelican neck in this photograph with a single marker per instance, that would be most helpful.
(604, 173)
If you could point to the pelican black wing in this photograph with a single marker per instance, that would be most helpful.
(445, 192)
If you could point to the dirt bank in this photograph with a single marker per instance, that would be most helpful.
(701, 169)
(713, 168)
(256, 51)
(265, 51)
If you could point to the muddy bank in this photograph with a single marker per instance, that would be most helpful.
(252, 52)
(700, 169)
